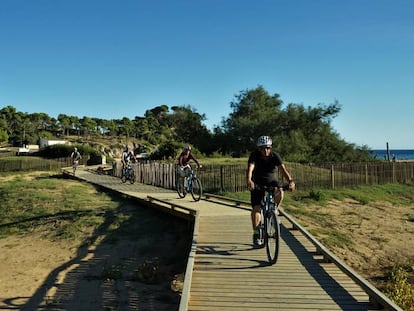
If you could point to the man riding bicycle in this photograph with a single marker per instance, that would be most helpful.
(261, 167)
(75, 156)
(126, 158)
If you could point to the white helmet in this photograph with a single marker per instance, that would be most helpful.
(264, 141)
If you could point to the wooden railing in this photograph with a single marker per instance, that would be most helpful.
(231, 178)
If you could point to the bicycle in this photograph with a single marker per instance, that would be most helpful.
(75, 166)
(128, 173)
(192, 184)
(270, 223)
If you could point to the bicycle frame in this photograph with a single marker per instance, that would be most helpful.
(128, 174)
(268, 204)
(192, 185)
(75, 166)
(270, 224)
(189, 179)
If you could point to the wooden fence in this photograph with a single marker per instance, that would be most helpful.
(29, 163)
(32, 163)
(231, 178)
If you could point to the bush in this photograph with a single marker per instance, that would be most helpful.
(167, 150)
(317, 195)
(400, 290)
(63, 151)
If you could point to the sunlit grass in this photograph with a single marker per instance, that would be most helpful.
(67, 207)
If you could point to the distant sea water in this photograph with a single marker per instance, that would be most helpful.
(400, 154)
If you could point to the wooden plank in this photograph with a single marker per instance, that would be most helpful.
(226, 273)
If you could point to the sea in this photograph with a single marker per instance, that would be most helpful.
(400, 154)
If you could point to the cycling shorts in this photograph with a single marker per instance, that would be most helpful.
(256, 196)
(184, 172)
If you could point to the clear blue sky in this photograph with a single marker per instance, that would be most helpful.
(110, 59)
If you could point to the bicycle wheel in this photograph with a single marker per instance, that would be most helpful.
(132, 177)
(196, 189)
(123, 177)
(180, 188)
(272, 237)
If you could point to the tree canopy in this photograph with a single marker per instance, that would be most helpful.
(300, 134)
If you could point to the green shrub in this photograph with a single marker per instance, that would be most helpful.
(317, 195)
(63, 151)
(399, 288)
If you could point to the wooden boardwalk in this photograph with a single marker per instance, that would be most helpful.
(226, 273)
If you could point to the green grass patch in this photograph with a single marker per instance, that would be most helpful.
(223, 161)
(63, 207)
(331, 237)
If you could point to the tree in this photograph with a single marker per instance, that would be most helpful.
(65, 123)
(4, 137)
(126, 127)
(300, 134)
(87, 126)
(255, 113)
(75, 124)
(188, 127)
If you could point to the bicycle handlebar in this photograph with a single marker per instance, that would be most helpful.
(270, 188)
(189, 166)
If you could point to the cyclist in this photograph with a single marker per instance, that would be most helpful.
(127, 156)
(261, 167)
(184, 163)
(75, 156)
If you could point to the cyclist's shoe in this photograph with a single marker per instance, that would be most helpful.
(257, 241)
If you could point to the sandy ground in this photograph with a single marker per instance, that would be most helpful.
(381, 235)
(40, 274)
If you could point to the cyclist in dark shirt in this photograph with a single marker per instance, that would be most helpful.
(261, 168)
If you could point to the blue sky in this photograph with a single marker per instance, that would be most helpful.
(110, 59)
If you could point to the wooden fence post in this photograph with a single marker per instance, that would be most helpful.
(222, 178)
(332, 177)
